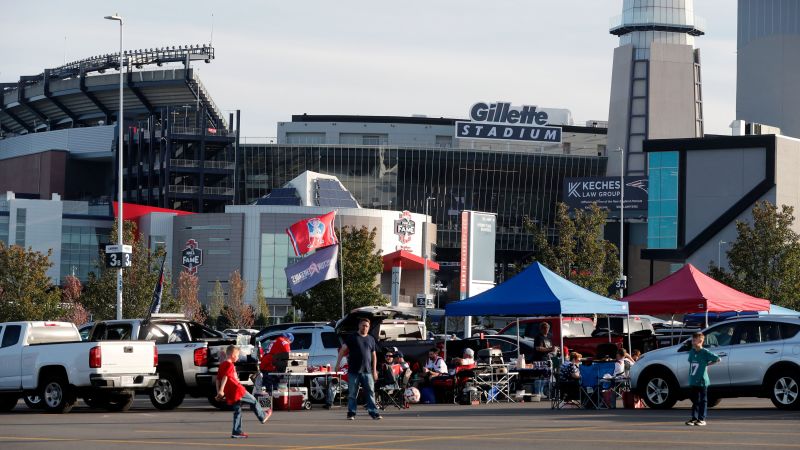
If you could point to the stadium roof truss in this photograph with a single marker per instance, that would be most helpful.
(81, 94)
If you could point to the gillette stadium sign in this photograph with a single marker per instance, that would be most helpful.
(580, 193)
(502, 121)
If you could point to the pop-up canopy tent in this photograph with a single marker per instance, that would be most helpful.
(688, 291)
(536, 291)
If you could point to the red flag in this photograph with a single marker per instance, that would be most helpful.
(316, 232)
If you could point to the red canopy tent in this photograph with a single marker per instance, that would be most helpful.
(689, 291)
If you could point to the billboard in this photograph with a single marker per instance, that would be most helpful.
(502, 121)
(478, 233)
(580, 193)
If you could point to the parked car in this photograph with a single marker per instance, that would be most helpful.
(760, 357)
(287, 325)
(49, 360)
(643, 335)
(577, 335)
(391, 327)
(506, 343)
(235, 332)
(189, 355)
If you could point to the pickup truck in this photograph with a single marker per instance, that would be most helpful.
(49, 360)
(189, 355)
(391, 327)
(577, 335)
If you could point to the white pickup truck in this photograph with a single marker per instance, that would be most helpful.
(49, 360)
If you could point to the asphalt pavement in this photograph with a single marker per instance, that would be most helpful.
(735, 423)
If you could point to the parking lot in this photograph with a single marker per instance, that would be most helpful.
(736, 423)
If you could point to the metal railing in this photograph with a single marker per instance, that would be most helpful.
(218, 190)
(218, 112)
(219, 165)
(184, 189)
(184, 163)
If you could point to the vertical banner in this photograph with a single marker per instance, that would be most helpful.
(464, 269)
(313, 233)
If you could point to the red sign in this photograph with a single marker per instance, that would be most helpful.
(464, 252)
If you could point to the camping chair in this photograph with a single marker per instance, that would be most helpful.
(565, 393)
(593, 384)
(451, 386)
(388, 391)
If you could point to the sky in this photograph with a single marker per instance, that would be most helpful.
(368, 57)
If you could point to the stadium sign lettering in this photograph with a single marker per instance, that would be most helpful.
(502, 121)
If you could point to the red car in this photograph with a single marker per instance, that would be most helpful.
(577, 335)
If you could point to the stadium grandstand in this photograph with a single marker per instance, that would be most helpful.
(58, 132)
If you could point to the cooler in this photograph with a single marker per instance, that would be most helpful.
(290, 399)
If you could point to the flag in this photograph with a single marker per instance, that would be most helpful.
(155, 304)
(313, 233)
(313, 269)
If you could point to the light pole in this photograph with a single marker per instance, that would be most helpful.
(120, 124)
(621, 221)
(426, 256)
(719, 253)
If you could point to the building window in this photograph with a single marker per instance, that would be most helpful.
(4, 230)
(80, 249)
(19, 239)
(275, 256)
(662, 209)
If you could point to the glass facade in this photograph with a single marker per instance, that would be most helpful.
(513, 184)
(643, 16)
(662, 208)
(4, 229)
(22, 218)
(276, 254)
(80, 249)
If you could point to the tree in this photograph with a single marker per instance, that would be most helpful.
(139, 280)
(188, 290)
(217, 304)
(362, 266)
(579, 253)
(238, 312)
(26, 292)
(262, 308)
(764, 260)
(72, 309)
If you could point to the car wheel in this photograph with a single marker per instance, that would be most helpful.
(713, 402)
(8, 402)
(57, 396)
(118, 402)
(659, 391)
(784, 390)
(167, 393)
(33, 401)
(318, 389)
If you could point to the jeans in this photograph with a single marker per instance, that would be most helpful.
(699, 396)
(237, 412)
(367, 383)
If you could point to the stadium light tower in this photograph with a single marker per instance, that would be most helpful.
(120, 123)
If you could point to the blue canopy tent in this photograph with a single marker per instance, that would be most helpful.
(537, 291)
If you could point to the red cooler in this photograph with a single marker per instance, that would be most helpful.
(293, 399)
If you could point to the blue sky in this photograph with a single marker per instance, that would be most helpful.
(275, 59)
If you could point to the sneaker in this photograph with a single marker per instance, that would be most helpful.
(377, 417)
(700, 423)
(691, 422)
(351, 417)
(326, 406)
(267, 415)
(239, 436)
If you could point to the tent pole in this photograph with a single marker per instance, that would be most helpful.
(608, 322)
(445, 337)
(561, 335)
(518, 339)
(630, 349)
(706, 316)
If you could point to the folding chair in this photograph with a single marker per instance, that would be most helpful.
(593, 385)
(565, 393)
(388, 391)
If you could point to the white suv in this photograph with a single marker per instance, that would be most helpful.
(760, 357)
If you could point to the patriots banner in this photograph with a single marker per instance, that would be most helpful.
(313, 233)
(155, 304)
(313, 270)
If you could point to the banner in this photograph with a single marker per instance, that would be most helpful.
(579, 193)
(313, 233)
(313, 269)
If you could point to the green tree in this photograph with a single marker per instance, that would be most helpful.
(362, 266)
(262, 308)
(138, 281)
(764, 260)
(26, 292)
(578, 253)
(216, 305)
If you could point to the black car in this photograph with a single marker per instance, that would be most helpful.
(506, 344)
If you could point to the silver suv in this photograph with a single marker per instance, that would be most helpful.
(760, 358)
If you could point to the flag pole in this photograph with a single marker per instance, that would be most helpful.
(341, 259)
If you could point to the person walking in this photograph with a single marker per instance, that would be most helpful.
(699, 359)
(361, 351)
(230, 389)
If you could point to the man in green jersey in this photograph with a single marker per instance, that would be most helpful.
(699, 359)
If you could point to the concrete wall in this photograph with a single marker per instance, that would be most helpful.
(672, 91)
(41, 174)
(42, 229)
(619, 105)
(787, 175)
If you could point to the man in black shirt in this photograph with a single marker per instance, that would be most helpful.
(543, 343)
(361, 350)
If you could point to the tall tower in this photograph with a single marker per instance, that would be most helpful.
(655, 81)
(768, 64)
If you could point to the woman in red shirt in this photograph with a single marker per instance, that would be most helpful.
(229, 388)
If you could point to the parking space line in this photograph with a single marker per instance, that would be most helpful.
(279, 433)
(691, 444)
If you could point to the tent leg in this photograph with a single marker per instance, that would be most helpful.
(445, 336)
(608, 322)
(518, 339)
(706, 317)
(561, 335)
(628, 319)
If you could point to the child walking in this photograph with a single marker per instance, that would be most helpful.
(229, 388)
(699, 359)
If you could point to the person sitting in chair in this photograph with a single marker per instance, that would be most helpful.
(405, 368)
(623, 363)
(569, 377)
(468, 359)
(434, 367)
(386, 375)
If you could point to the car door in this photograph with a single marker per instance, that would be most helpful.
(758, 347)
(10, 358)
(718, 340)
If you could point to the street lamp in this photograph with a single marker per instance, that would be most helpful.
(426, 256)
(120, 124)
(719, 253)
